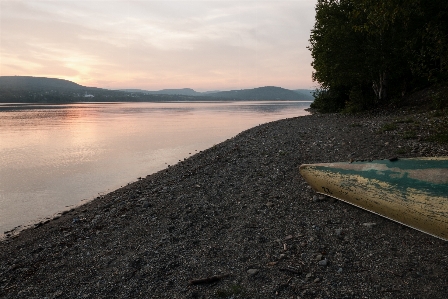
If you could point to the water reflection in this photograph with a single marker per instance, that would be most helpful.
(53, 156)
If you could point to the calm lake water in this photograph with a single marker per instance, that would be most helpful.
(55, 156)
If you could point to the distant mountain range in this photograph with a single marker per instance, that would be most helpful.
(181, 91)
(40, 89)
(263, 93)
(259, 93)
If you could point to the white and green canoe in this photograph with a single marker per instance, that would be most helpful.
(413, 191)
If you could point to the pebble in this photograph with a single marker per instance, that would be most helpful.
(369, 224)
(288, 237)
(269, 204)
(192, 232)
(323, 263)
(252, 272)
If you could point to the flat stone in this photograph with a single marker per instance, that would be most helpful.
(252, 272)
(323, 262)
(369, 224)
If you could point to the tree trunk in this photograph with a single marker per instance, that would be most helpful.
(380, 88)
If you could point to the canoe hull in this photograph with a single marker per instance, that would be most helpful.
(413, 192)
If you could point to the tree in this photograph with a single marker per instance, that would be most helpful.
(428, 46)
(367, 52)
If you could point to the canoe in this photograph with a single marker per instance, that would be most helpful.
(413, 192)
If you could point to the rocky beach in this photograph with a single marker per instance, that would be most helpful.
(238, 221)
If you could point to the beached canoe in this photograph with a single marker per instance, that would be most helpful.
(413, 192)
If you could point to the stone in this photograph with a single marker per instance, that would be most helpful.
(252, 272)
(333, 200)
(288, 237)
(369, 224)
(323, 263)
(269, 204)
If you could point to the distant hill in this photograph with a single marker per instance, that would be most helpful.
(26, 89)
(259, 93)
(37, 83)
(181, 91)
(307, 94)
(210, 91)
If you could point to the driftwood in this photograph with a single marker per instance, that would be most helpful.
(208, 279)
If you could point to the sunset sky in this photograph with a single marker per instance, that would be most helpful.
(204, 45)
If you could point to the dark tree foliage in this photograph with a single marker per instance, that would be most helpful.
(368, 53)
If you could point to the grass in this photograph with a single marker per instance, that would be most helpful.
(438, 132)
(388, 127)
(438, 113)
(404, 121)
(401, 151)
(440, 100)
(441, 137)
(410, 135)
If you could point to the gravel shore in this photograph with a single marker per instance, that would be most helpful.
(238, 221)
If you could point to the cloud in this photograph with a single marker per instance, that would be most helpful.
(159, 44)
